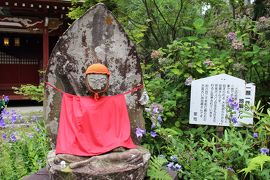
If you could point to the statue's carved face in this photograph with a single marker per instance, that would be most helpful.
(97, 82)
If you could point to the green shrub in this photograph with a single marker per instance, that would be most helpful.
(31, 91)
(24, 147)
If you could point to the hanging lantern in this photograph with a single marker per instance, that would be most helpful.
(17, 42)
(6, 41)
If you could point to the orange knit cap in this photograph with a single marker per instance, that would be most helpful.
(97, 69)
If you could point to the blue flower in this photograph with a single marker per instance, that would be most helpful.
(13, 137)
(6, 99)
(234, 120)
(159, 118)
(230, 101)
(264, 150)
(30, 136)
(140, 132)
(174, 158)
(188, 81)
(34, 118)
(153, 134)
(174, 167)
(2, 123)
(230, 169)
(37, 129)
(4, 136)
(255, 135)
(233, 103)
(20, 117)
(161, 156)
(177, 167)
(13, 118)
(155, 110)
(4, 112)
(235, 106)
(153, 125)
(170, 165)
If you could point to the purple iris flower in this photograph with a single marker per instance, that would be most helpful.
(255, 135)
(264, 150)
(13, 137)
(140, 132)
(234, 120)
(6, 99)
(4, 136)
(153, 134)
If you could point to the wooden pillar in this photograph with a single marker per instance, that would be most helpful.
(45, 48)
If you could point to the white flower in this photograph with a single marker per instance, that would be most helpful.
(63, 164)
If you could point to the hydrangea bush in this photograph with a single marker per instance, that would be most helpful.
(200, 151)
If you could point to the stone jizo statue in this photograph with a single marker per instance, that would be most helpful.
(111, 151)
(95, 131)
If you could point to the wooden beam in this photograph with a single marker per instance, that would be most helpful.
(45, 48)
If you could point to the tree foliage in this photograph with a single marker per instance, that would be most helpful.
(182, 40)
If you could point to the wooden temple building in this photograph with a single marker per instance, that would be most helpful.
(29, 30)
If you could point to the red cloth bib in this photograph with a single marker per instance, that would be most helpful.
(88, 127)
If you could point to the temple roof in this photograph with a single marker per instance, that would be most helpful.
(31, 16)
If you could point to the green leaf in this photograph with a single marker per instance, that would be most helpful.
(156, 169)
(201, 30)
(256, 163)
(176, 71)
(256, 48)
(192, 38)
(254, 61)
(177, 124)
(200, 70)
(187, 28)
(198, 23)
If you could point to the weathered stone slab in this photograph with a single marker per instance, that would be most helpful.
(96, 37)
(101, 167)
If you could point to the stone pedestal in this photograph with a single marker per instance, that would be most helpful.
(99, 167)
